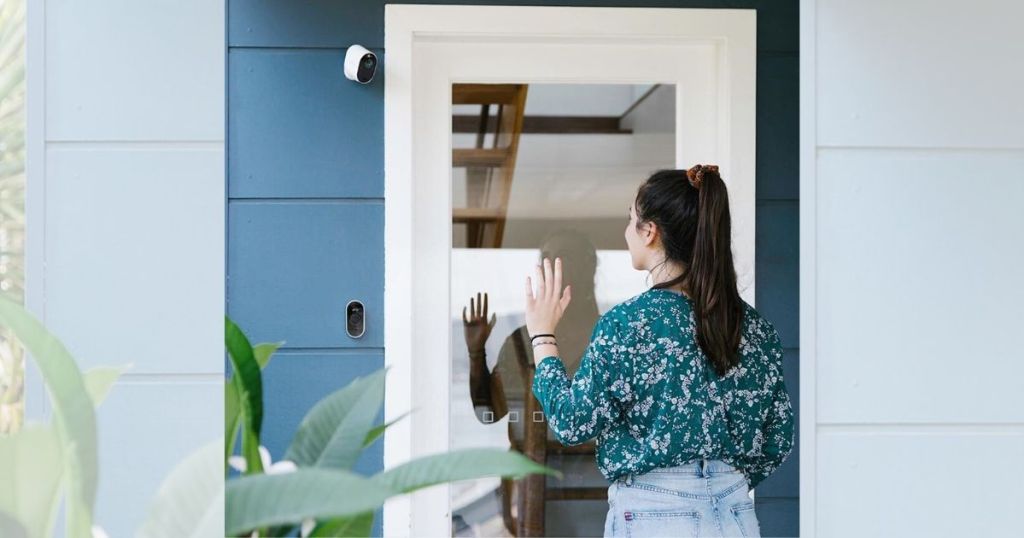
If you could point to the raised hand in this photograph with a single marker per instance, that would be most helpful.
(545, 310)
(476, 327)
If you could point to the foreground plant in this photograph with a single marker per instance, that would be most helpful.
(322, 494)
(42, 460)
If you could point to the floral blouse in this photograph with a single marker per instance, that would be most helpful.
(646, 391)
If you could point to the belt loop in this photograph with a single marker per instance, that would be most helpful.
(704, 467)
(629, 479)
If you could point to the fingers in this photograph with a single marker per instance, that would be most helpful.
(485, 305)
(566, 298)
(529, 292)
(558, 278)
(478, 305)
(472, 308)
(540, 282)
(464, 320)
(494, 319)
(549, 290)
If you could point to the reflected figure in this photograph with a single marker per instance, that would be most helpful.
(507, 389)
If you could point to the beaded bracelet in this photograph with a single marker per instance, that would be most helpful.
(545, 342)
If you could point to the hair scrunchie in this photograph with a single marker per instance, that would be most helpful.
(695, 174)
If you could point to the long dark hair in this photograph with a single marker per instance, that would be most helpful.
(691, 208)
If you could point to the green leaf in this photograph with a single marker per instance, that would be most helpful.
(74, 414)
(190, 501)
(332, 433)
(360, 525)
(254, 501)
(31, 463)
(232, 419)
(377, 431)
(249, 384)
(263, 352)
(460, 465)
(99, 381)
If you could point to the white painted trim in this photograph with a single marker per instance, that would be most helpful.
(808, 271)
(409, 243)
(37, 404)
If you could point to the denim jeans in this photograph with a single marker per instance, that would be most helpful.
(707, 497)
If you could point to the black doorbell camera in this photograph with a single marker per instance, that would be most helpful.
(355, 319)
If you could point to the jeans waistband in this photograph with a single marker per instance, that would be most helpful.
(703, 467)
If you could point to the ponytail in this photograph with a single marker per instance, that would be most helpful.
(711, 276)
(691, 208)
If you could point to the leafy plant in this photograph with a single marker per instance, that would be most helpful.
(41, 460)
(322, 493)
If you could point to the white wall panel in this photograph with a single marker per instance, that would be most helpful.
(145, 429)
(912, 151)
(919, 286)
(135, 70)
(919, 483)
(135, 269)
(920, 73)
(126, 211)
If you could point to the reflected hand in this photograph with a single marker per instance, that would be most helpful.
(477, 328)
(544, 311)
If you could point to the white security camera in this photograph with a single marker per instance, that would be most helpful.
(360, 64)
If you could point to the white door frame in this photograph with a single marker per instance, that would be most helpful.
(428, 47)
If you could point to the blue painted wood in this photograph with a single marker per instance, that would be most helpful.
(305, 23)
(293, 267)
(298, 128)
(785, 481)
(778, 131)
(777, 267)
(294, 382)
(339, 23)
(778, 516)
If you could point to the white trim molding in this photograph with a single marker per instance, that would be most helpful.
(808, 271)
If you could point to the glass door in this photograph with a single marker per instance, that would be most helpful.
(539, 170)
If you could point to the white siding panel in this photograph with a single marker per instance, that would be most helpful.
(131, 70)
(919, 286)
(145, 430)
(920, 73)
(935, 484)
(134, 252)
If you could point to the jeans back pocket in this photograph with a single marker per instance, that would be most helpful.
(644, 523)
(746, 519)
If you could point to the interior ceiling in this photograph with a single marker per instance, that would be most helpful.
(589, 175)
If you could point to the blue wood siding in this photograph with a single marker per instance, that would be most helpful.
(296, 264)
(305, 209)
(298, 128)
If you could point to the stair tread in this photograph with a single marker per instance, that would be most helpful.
(485, 157)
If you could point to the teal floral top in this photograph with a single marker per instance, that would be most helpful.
(645, 390)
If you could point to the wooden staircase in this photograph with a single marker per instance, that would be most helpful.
(489, 170)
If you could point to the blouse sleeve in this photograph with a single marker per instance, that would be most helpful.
(577, 410)
(777, 433)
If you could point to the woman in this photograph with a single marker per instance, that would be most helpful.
(682, 384)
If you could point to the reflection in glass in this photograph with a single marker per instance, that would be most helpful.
(539, 170)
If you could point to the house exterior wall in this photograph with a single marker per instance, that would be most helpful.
(305, 183)
(911, 154)
(126, 221)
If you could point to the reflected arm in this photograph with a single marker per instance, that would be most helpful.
(485, 388)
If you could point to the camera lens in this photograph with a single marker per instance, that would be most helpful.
(368, 62)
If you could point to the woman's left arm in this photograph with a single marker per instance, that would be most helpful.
(577, 410)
